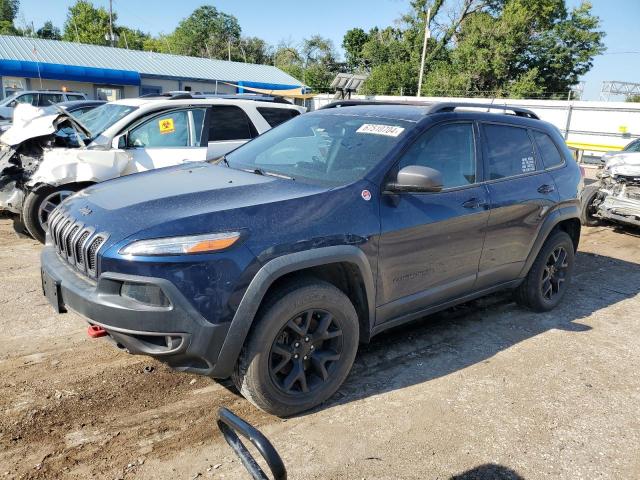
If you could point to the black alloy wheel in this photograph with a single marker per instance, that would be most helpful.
(554, 273)
(305, 352)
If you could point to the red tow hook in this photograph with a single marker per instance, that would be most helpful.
(96, 331)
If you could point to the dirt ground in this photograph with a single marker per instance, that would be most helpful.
(483, 391)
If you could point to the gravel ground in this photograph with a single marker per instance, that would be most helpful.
(486, 390)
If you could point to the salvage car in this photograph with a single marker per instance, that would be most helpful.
(272, 265)
(38, 170)
(615, 196)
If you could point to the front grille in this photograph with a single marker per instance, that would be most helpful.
(76, 243)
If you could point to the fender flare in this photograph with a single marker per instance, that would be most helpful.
(267, 275)
(565, 212)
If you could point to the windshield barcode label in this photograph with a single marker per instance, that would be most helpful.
(388, 130)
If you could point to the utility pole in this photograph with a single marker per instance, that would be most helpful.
(111, 37)
(427, 35)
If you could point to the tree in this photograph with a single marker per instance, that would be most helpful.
(49, 31)
(130, 38)
(87, 24)
(252, 50)
(485, 47)
(353, 43)
(9, 10)
(207, 32)
(632, 98)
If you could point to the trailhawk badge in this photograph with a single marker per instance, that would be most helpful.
(85, 211)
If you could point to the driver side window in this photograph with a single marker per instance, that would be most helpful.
(448, 148)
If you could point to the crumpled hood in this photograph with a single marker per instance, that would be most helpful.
(627, 164)
(29, 122)
(186, 199)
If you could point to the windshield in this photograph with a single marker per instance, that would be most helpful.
(9, 99)
(330, 149)
(102, 117)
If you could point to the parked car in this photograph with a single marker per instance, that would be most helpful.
(615, 196)
(631, 147)
(76, 107)
(271, 266)
(37, 98)
(120, 138)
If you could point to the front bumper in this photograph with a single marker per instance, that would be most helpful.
(177, 335)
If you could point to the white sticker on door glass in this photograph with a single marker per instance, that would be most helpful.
(528, 165)
(375, 129)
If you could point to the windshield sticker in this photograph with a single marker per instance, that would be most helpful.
(166, 125)
(528, 165)
(387, 130)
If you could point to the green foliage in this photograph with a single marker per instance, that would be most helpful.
(632, 98)
(519, 48)
(353, 43)
(7, 28)
(87, 24)
(130, 38)
(49, 31)
(207, 32)
(9, 10)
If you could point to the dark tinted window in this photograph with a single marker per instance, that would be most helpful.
(276, 116)
(72, 96)
(229, 123)
(47, 99)
(548, 151)
(509, 150)
(449, 149)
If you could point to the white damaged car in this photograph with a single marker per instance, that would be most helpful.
(615, 196)
(39, 167)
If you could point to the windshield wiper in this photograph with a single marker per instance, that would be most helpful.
(265, 173)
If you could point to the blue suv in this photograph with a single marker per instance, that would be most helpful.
(271, 264)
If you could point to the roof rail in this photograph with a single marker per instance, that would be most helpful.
(451, 106)
(229, 96)
(435, 107)
(351, 103)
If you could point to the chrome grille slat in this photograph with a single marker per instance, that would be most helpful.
(76, 244)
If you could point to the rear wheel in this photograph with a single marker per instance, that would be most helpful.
(39, 204)
(550, 274)
(301, 348)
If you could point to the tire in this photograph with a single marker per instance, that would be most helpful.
(551, 269)
(587, 210)
(268, 362)
(40, 203)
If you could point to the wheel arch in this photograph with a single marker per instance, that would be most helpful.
(565, 218)
(333, 264)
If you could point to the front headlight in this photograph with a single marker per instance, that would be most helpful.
(211, 242)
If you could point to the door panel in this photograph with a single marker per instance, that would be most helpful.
(430, 243)
(520, 200)
(430, 246)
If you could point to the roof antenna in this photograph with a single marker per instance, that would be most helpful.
(35, 54)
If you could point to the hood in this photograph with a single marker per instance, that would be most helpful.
(626, 164)
(186, 199)
(29, 122)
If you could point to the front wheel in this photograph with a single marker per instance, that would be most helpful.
(300, 350)
(549, 276)
(39, 204)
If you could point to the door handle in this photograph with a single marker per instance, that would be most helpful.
(474, 203)
(546, 188)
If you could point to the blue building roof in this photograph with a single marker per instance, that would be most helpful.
(22, 56)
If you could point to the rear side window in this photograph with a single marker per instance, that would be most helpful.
(72, 96)
(229, 123)
(509, 151)
(548, 151)
(47, 99)
(276, 116)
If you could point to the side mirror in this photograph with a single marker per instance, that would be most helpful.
(119, 142)
(416, 178)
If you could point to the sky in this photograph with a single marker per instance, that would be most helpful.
(293, 20)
